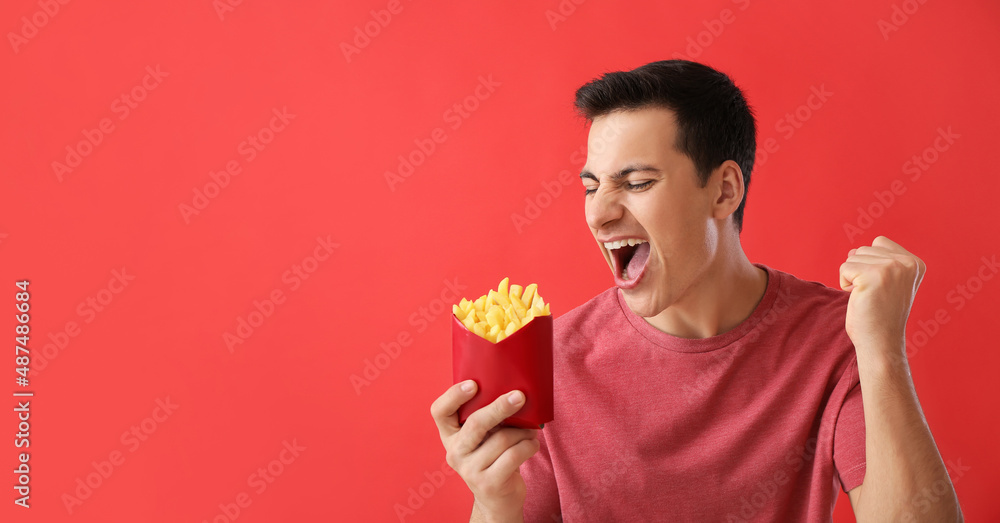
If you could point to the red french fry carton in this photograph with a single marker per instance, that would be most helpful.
(521, 361)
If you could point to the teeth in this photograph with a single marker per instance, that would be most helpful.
(619, 244)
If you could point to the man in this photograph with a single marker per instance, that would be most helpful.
(704, 387)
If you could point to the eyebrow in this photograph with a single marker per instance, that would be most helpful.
(622, 173)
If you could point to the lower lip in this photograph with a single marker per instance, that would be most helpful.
(632, 283)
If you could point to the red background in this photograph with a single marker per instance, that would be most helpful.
(323, 175)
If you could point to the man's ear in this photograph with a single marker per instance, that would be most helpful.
(727, 184)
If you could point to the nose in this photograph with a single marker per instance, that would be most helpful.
(602, 208)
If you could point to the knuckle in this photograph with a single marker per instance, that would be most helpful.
(533, 446)
(504, 438)
(499, 410)
(457, 464)
(438, 405)
(474, 424)
(480, 479)
(443, 403)
(437, 411)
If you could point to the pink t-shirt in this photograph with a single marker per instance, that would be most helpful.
(761, 423)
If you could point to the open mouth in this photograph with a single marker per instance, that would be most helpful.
(629, 259)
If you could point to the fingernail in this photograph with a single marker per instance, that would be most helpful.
(468, 386)
(515, 397)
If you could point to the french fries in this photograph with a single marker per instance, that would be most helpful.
(501, 312)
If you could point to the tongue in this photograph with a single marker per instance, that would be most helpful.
(638, 259)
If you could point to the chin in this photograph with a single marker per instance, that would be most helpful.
(642, 305)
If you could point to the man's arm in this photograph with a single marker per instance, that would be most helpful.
(478, 517)
(901, 460)
(904, 471)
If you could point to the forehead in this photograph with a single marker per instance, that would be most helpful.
(646, 135)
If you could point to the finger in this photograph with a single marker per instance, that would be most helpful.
(870, 259)
(877, 251)
(479, 422)
(444, 410)
(849, 270)
(860, 263)
(886, 243)
(869, 253)
(505, 451)
(497, 443)
(890, 246)
(881, 256)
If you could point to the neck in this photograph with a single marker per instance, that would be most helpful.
(718, 298)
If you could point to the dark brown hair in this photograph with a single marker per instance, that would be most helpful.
(715, 122)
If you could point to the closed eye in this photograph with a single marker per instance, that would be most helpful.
(631, 186)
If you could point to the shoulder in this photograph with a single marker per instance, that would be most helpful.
(589, 317)
(807, 296)
(814, 314)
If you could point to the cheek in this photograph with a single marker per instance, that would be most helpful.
(680, 232)
(667, 224)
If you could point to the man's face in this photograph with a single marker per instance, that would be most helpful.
(658, 202)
